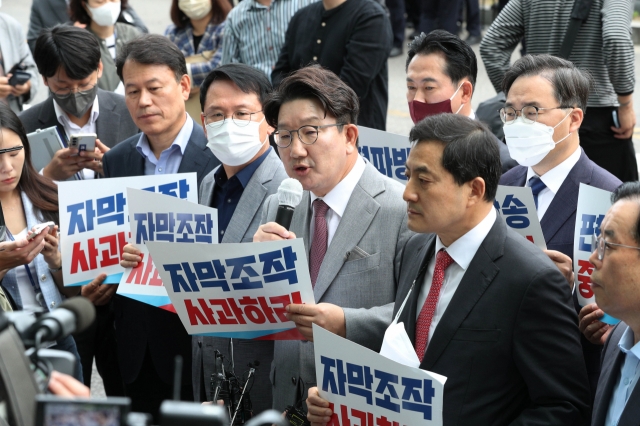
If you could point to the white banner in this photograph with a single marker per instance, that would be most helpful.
(516, 206)
(93, 221)
(593, 204)
(365, 387)
(235, 290)
(387, 152)
(157, 217)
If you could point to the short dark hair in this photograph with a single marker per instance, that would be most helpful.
(72, 48)
(460, 58)
(470, 148)
(571, 85)
(629, 191)
(247, 78)
(220, 9)
(78, 13)
(152, 49)
(315, 83)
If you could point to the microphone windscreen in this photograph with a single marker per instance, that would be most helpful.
(83, 310)
(290, 192)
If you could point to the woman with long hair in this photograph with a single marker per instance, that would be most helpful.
(29, 199)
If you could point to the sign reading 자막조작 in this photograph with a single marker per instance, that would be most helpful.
(516, 206)
(93, 221)
(387, 152)
(366, 387)
(235, 290)
(157, 217)
(593, 204)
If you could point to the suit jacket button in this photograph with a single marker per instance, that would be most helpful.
(53, 304)
(199, 344)
(293, 380)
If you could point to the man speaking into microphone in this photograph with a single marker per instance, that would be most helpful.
(351, 217)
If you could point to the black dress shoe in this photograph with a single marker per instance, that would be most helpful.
(395, 51)
(473, 39)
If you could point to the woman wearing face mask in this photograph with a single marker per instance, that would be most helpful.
(99, 17)
(197, 31)
(28, 199)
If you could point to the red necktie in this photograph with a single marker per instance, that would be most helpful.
(320, 238)
(423, 324)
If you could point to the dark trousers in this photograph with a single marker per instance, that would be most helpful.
(99, 341)
(473, 16)
(69, 345)
(148, 390)
(617, 156)
(439, 15)
(396, 15)
(413, 12)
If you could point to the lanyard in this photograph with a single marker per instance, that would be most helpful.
(34, 283)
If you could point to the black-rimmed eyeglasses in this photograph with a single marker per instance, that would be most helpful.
(529, 113)
(308, 135)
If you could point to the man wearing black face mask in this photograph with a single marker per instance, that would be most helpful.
(68, 58)
(441, 75)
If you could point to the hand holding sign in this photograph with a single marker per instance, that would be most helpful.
(319, 413)
(564, 264)
(326, 315)
(130, 256)
(590, 325)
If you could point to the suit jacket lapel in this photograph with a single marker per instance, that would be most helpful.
(475, 281)
(108, 119)
(192, 159)
(251, 200)
(610, 369)
(47, 118)
(518, 177)
(565, 202)
(360, 211)
(301, 221)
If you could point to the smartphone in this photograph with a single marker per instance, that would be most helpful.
(83, 141)
(19, 77)
(616, 121)
(3, 226)
(38, 229)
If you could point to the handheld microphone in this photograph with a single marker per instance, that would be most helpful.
(289, 196)
(72, 316)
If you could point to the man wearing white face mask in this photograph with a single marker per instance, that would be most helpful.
(546, 99)
(237, 133)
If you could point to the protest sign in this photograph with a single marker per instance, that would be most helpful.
(516, 206)
(235, 290)
(387, 152)
(593, 204)
(93, 221)
(366, 387)
(157, 217)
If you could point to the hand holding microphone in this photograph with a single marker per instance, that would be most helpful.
(289, 196)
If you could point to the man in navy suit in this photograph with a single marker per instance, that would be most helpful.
(616, 284)
(154, 74)
(546, 99)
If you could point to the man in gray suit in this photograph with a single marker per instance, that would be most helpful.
(616, 284)
(231, 98)
(68, 58)
(351, 217)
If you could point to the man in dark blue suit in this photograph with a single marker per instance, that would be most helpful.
(546, 99)
(156, 83)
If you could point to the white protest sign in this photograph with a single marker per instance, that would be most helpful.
(235, 290)
(516, 206)
(366, 387)
(593, 204)
(93, 221)
(387, 152)
(158, 217)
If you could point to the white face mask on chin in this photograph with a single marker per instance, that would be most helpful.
(234, 145)
(529, 143)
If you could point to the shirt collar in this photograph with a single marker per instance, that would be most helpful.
(180, 141)
(338, 198)
(472, 115)
(244, 175)
(556, 176)
(64, 118)
(464, 248)
(626, 343)
(254, 4)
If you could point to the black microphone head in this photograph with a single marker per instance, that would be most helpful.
(83, 310)
(290, 192)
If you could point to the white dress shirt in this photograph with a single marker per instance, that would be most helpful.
(71, 128)
(553, 179)
(462, 252)
(337, 200)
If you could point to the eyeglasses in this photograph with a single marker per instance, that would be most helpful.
(82, 89)
(308, 135)
(599, 244)
(529, 113)
(240, 118)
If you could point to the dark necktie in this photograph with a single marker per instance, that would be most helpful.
(536, 185)
(320, 238)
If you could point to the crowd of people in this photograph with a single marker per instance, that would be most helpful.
(222, 94)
